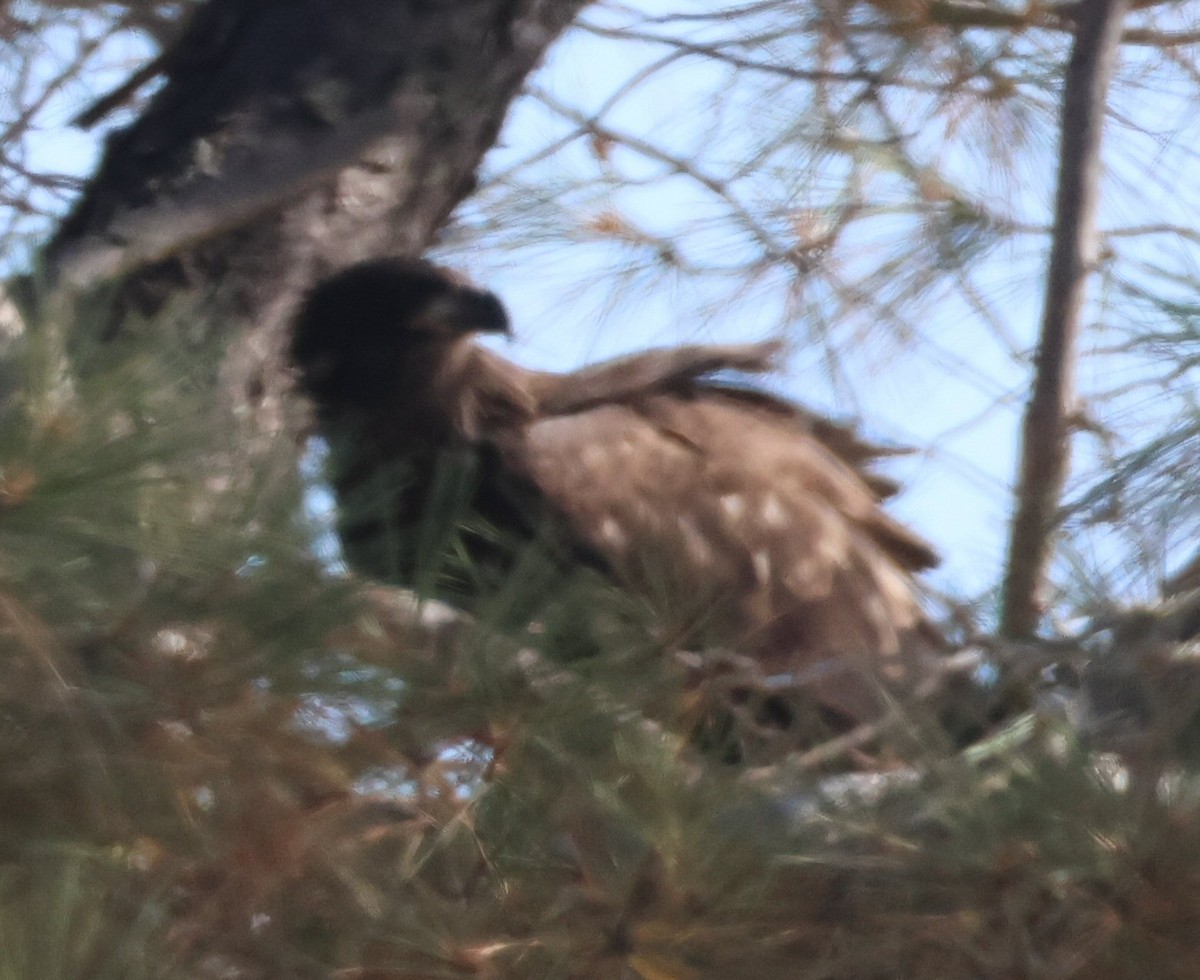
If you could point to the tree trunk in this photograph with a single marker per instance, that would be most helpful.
(292, 137)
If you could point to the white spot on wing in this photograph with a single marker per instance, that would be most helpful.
(696, 544)
(772, 513)
(876, 608)
(594, 457)
(809, 578)
(613, 535)
(762, 566)
(832, 548)
(734, 505)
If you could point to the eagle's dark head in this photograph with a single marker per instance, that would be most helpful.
(358, 330)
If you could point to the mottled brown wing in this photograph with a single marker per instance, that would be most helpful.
(727, 508)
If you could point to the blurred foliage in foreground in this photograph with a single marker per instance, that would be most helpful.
(223, 760)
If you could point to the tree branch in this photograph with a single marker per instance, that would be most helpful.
(1045, 451)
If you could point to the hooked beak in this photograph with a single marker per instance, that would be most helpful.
(469, 311)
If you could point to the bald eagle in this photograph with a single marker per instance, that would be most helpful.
(673, 482)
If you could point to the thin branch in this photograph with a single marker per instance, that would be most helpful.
(678, 165)
(1045, 452)
(716, 52)
(1052, 17)
(1158, 228)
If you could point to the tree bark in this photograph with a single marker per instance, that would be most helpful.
(1045, 448)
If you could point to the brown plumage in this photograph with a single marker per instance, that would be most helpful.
(755, 513)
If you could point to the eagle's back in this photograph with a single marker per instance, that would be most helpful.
(738, 512)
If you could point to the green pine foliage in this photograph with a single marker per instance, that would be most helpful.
(223, 758)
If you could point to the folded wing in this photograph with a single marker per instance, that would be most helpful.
(748, 517)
